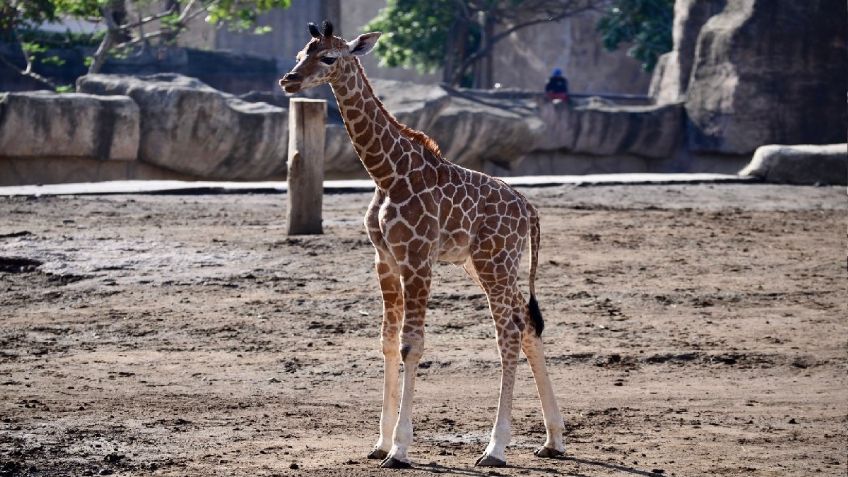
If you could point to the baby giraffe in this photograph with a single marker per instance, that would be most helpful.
(426, 209)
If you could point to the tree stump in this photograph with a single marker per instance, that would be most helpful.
(306, 165)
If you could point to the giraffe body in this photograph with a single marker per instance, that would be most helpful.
(425, 210)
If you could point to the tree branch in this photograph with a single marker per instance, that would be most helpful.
(142, 21)
(28, 72)
(108, 39)
(187, 9)
(146, 37)
(494, 39)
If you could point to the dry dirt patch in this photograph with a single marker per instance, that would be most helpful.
(691, 330)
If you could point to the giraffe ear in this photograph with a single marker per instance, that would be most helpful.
(363, 44)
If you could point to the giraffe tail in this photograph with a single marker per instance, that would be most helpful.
(533, 305)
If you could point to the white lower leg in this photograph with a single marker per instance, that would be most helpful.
(509, 344)
(550, 410)
(402, 438)
(501, 432)
(389, 414)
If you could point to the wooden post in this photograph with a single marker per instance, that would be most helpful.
(306, 165)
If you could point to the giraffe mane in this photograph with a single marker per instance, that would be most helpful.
(413, 134)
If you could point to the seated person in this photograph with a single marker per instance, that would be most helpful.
(557, 87)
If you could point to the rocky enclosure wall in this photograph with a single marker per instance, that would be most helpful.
(169, 123)
(757, 72)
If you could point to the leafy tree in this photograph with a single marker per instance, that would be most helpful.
(18, 15)
(172, 19)
(129, 24)
(645, 24)
(459, 35)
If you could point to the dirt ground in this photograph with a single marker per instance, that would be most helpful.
(690, 330)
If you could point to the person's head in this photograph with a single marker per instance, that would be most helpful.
(320, 60)
(556, 72)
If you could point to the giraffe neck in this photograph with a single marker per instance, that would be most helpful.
(376, 134)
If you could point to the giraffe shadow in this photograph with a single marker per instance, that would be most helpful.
(624, 469)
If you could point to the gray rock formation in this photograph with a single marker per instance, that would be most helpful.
(191, 128)
(769, 72)
(469, 129)
(671, 75)
(801, 164)
(340, 160)
(602, 130)
(180, 125)
(45, 124)
(415, 105)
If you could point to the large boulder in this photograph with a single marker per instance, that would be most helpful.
(671, 76)
(769, 72)
(416, 105)
(472, 131)
(45, 124)
(191, 128)
(802, 164)
(604, 129)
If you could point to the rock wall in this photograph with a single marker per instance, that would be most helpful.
(762, 72)
(191, 128)
(173, 124)
(42, 124)
(653, 132)
(671, 76)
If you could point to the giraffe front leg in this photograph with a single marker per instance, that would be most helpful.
(416, 289)
(506, 317)
(389, 339)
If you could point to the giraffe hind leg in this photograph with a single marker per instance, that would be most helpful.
(531, 344)
(505, 315)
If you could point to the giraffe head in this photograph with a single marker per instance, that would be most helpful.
(321, 60)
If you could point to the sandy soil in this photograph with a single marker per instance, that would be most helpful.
(691, 330)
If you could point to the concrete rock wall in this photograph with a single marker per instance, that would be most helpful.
(191, 128)
(171, 123)
(43, 124)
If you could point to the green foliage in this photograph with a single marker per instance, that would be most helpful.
(415, 33)
(38, 53)
(25, 12)
(646, 24)
(80, 8)
(21, 18)
(240, 14)
(458, 35)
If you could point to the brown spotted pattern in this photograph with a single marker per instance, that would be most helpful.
(426, 209)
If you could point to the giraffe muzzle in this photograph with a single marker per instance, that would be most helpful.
(290, 83)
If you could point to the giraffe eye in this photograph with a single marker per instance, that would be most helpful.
(328, 60)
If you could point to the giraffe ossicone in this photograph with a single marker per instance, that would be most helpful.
(426, 209)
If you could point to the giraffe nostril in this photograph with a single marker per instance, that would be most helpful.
(290, 77)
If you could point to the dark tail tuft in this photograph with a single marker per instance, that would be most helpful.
(536, 316)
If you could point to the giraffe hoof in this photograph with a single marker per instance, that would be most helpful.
(378, 454)
(548, 453)
(486, 460)
(392, 463)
